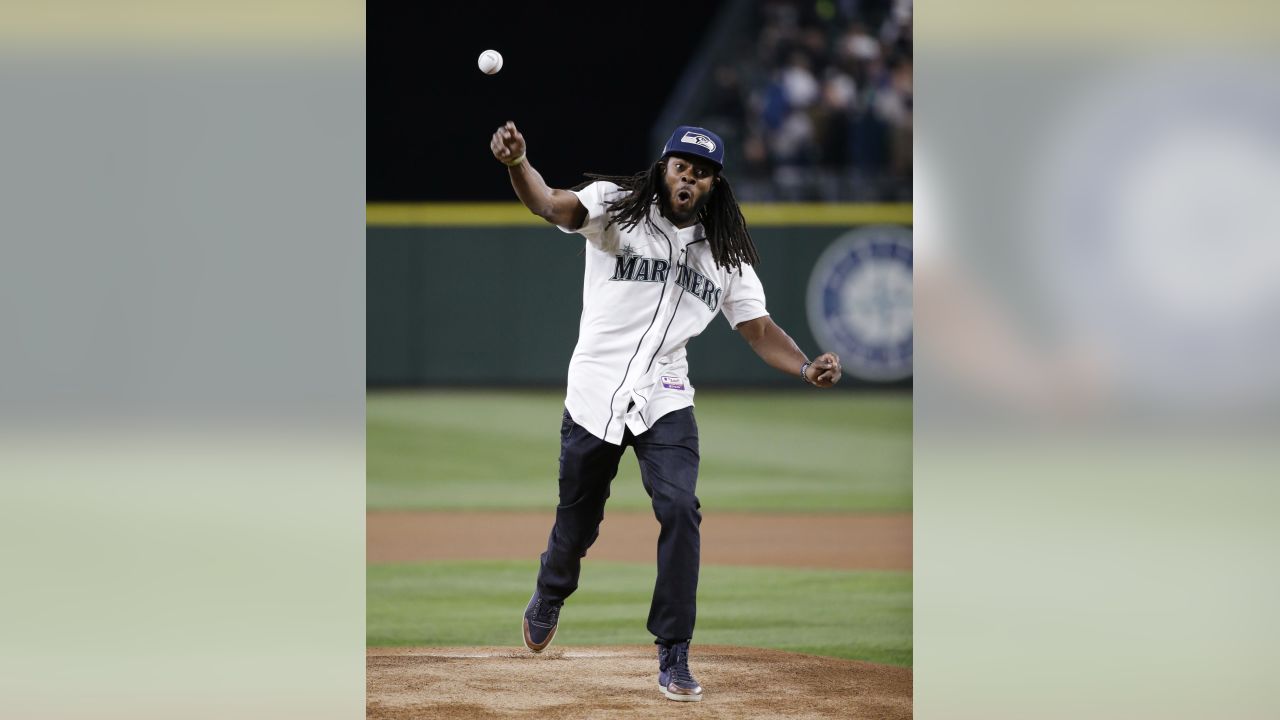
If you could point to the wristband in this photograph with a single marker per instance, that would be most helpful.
(515, 162)
(804, 371)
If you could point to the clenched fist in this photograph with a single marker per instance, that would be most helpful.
(507, 145)
(825, 370)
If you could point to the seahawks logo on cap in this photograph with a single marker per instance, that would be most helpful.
(860, 301)
(694, 138)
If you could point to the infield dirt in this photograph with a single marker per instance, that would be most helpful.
(621, 682)
(841, 541)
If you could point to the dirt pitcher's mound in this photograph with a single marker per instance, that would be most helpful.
(622, 682)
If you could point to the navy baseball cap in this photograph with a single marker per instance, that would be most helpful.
(698, 142)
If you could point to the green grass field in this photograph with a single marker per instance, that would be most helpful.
(800, 451)
(859, 615)
(767, 451)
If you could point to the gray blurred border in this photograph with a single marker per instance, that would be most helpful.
(1096, 398)
(182, 403)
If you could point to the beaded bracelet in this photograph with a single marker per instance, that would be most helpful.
(804, 371)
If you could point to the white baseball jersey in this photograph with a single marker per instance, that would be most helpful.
(644, 295)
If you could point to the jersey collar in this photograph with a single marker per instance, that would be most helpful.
(683, 236)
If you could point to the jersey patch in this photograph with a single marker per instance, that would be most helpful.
(859, 301)
(672, 383)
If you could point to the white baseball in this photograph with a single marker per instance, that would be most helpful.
(490, 62)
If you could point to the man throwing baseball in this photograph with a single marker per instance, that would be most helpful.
(666, 250)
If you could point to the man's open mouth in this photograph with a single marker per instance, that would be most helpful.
(684, 196)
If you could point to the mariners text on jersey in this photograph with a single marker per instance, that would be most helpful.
(645, 293)
(642, 269)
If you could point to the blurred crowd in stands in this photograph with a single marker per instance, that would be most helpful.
(815, 102)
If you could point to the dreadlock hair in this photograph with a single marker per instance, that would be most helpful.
(731, 244)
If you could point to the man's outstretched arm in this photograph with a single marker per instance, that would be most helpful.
(559, 207)
(777, 349)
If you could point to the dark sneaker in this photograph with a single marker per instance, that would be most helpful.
(540, 620)
(674, 679)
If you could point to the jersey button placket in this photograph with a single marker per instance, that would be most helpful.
(624, 403)
(671, 296)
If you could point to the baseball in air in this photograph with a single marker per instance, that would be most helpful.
(490, 62)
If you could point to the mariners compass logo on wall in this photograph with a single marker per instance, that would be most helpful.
(860, 301)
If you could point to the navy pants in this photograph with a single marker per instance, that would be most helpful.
(668, 455)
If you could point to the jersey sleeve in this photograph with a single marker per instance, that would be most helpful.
(593, 197)
(744, 297)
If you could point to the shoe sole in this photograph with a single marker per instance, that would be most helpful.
(524, 635)
(524, 632)
(680, 698)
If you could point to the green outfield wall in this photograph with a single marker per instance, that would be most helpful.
(450, 302)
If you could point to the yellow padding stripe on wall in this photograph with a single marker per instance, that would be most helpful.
(490, 214)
